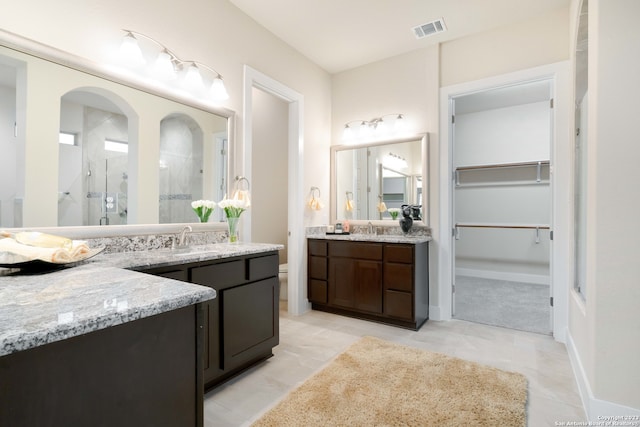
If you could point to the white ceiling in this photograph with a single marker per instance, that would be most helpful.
(342, 34)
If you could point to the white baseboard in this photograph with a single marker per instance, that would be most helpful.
(537, 279)
(434, 313)
(597, 410)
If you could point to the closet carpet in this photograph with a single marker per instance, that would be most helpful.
(515, 305)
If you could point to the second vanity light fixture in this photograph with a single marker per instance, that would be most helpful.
(362, 129)
(168, 66)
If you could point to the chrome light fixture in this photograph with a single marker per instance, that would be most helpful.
(167, 66)
(372, 128)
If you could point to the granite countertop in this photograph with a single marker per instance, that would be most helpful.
(163, 257)
(40, 308)
(382, 238)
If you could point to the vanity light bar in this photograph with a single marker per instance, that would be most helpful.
(167, 66)
(373, 127)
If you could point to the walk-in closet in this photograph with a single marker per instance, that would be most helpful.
(502, 206)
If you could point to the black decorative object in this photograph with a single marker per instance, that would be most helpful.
(406, 221)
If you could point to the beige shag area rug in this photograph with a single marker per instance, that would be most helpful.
(378, 383)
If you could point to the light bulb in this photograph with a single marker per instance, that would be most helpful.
(218, 91)
(130, 53)
(400, 124)
(381, 127)
(347, 133)
(193, 79)
(163, 68)
(364, 131)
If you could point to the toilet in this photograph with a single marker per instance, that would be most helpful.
(282, 276)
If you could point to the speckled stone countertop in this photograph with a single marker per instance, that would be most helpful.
(141, 260)
(36, 309)
(383, 238)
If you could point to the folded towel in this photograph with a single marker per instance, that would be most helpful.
(78, 251)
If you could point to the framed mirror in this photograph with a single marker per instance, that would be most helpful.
(370, 180)
(83, 145)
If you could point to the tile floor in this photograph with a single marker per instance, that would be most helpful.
(309, 342)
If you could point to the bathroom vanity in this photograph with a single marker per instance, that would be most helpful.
(105, 344)
(380, 278)
(241, 324)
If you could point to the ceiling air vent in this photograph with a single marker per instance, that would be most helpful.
(429, 28)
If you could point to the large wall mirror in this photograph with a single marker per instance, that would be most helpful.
(386, 173)
(81, 147)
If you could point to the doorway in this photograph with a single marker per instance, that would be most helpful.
(297, 302)
(501, 216)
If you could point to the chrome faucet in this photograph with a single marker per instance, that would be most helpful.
(182, 238)
(370, 226)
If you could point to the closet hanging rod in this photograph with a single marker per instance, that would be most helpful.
(504, 165)
(520, 226)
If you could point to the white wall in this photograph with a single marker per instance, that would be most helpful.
(604, 329)
(503, 135)
(543, 40)
(269, 219)
(8, 166)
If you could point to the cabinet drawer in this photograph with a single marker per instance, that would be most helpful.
(318, 267)
(219, 275)
(263, 267)
(318, 291)
(356, 250)
(318, 247)
(398, 277)
(398, 304)
(398, 253)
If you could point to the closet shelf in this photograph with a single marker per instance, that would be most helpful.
(538, 164)
(504, 165)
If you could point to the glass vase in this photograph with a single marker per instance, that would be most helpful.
(233, 229)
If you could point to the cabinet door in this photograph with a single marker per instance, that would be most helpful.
(249, 321)
(368, 285)
(355, 284)
(342, 282)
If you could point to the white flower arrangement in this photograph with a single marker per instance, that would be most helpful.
(394, 212)
(203, 208)
(234, 207)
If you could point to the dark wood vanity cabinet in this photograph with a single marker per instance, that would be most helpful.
(387, 282)
(242, 322)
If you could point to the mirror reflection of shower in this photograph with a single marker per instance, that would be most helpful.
(181, 168)
(93, 170)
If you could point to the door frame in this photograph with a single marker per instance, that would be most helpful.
(297, 301)
(561, 180)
